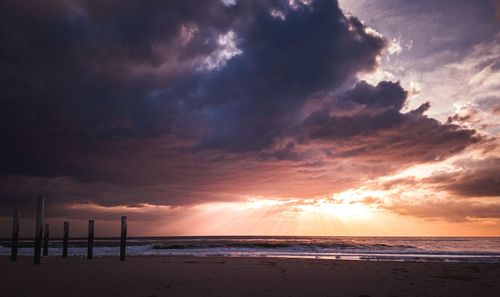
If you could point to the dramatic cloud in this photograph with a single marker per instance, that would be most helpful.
(366, 128)
(475, 179)
(175, 103)
(76, 73)
(453, 211)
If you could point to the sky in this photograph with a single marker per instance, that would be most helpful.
(298, 117)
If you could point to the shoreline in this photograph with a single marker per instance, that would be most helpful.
(462, 250)
(388, 257)
(157, 276)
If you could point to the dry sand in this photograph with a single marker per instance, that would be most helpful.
(192, 276)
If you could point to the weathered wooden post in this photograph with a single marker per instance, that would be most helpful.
(123, 238)
(46, 240)
(90, 241)
(15, 232)
(65, 240)
(39, 228)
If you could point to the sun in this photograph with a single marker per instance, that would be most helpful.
(342, 210)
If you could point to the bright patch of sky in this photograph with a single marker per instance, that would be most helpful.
(229, 2)
(436, 56)
(227, 49)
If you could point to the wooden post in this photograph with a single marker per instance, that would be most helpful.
(39, 228)
(15, 232)
(123, 238)
(90, 247)
(65, 240)
(46, 240)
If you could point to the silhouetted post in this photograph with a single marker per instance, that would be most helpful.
(39, 228)
(90, 252)
(123, 239)
(65, 240)
(15, 232)
(46, 240)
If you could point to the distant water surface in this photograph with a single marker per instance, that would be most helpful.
(453, 249)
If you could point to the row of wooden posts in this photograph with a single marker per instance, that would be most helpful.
(39, 230)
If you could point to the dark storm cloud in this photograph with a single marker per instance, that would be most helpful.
(471, 178)
(282, 62)
(67, 74)
(76, 73)
(475, 179)
(183, 102)
(367, 122)
(450, 210)
(365, 109)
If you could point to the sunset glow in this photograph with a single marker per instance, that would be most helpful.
(319, 117)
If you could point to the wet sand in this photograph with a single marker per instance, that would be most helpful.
(218, 276)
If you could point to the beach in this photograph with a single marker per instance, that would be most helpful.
(234, 276)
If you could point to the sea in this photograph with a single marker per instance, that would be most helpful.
(414, 249)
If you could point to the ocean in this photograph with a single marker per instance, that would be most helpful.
(449, 249)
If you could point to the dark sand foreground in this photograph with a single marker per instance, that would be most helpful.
(191, 276)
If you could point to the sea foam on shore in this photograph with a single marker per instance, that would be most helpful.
(351, 248)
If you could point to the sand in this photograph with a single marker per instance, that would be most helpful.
(218, 276)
